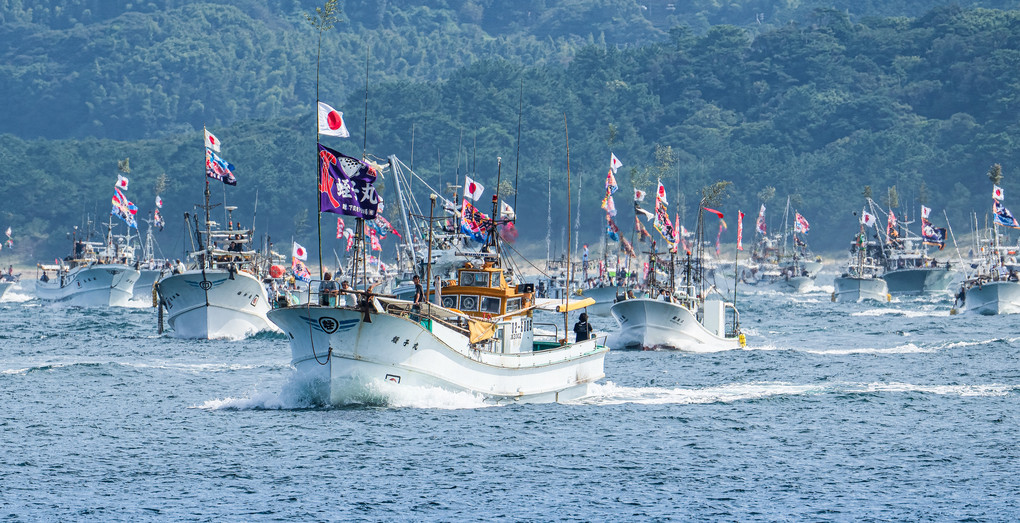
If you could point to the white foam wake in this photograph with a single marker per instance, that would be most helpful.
(613, 394)
(901, 312)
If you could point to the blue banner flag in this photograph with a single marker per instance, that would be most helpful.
(1004, 217)
(345, 185)
(218, 168)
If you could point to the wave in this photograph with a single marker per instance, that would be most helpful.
(12, 296)
(901, 312)
(906, 348)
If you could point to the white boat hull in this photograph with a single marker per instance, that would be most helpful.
(919, 280)
(647, 324)
(213, 305)
(5, 286)
(799, 283)
(995, 297)
(849, 289)
(143, 287)
(100, 285)
(404, 352)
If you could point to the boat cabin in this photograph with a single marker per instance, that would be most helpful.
(483, 292)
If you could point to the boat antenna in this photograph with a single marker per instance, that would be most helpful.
(566, 307)
(517, 169)
(364, 142)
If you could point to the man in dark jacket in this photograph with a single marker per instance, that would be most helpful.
(582, 329)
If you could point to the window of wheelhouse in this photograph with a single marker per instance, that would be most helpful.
(474, 279)
(491, 305)
(513, 304)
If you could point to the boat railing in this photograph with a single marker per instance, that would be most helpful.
(556, 329)
(734, 329)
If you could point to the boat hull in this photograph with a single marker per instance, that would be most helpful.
(921, 280)
(353, 353)
(100, 285)
(5, 286)
(143, 287)
(849, 289)
(995, 297)
(799, 283)
(647, 324)
(215, 304)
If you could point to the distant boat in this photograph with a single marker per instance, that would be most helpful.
(97, 274)
(7, 282)
(994, 288)
(774, 262)
(907, 266)
(862, 278)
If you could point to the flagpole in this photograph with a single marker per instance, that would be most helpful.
(736, 264)
(566, 307)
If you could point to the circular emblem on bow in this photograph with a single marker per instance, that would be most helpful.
(329, 325)
(205, 285)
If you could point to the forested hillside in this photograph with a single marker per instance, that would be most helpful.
(817, 108)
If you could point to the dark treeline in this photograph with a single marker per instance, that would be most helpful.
(817, 108)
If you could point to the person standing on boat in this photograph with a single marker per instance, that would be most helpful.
(419, 293)
(328, 290)
(582, 329)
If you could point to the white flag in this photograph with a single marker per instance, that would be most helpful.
(472, 188)
(300, 252)
(122, 182)
(997, 192)
(639, 195)
(331, 122)
(867, 218)
(506, 211)
(660, 194)
(925, 211)
(614, 162)
(211, 142)
(159, 202)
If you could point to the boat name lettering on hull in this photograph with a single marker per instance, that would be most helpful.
(329, 325)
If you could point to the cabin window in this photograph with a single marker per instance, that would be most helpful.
(491, 305)
(469, 303)
(474, 279)
(449, 302)
(513, 304)
(495, 282)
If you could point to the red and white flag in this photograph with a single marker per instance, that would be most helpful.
(211, 142)
(660, 194)
(331, 122)
(761, 220)
(925, 211)
(614, 162)
(122, 182)
(300, 252)
(867, 218)
(800, 224)
(472, 189)
(159, 202)
(997, 192)
(891, 224)
(376, 246)
(349, 235)
(740, 230)
(639, 195)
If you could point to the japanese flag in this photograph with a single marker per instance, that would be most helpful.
(472, 188)
(300, 252)
(867, 218)
(614, 162)
(997, 192)
(925, 211)
(159, 202)
(639, 195)
(339, 227)
(122, 182)
(211, 142)
(331, 122)
(660, 194)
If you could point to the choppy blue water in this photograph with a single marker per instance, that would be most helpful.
(833, 412)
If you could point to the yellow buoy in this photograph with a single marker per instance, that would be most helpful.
(953, 311)
(743, 340)
(888, 297)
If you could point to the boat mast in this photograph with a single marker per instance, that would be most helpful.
(566, 308)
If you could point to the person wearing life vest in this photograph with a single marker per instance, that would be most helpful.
(582, 329)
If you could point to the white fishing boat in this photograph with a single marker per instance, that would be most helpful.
(221, 294)
(994, 288)
(908, 267)
(96, 274)
(862, 279)
(5, 285)
(774, 262)
(647, 324)
(604, 296)
(151, 268)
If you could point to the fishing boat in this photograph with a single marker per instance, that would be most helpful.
(6, 283)
(862, 279)
(692, 319)
(221, 293)
(96, 274)
(994, 288)
(474, 334)
(775, 262)
(151, 268)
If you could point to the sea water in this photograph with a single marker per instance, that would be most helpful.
(833, 412)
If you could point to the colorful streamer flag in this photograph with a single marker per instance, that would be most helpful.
(628, 249)
(473, 222)
(891, 223)
(925, 211)
(339, 227)
(157, 219)
(299, 252)
(349, 235)
(640, 230)
(639, 195)
(217, 168)
(301, 272)
(331, 122)
(715, 212)
(374, 240)
(385, 225)
(1004, 217)
(122, 182)
(123, 208)
(663, 224)
(867, 218)
(931, 235)
(472, 189)
(761, 220)
(611, 185)
(800, 224)
(614, 162)
(211, 142)
(609, 205)
(740, 230)
(10, 240)
(159, 202)
(718, 236)
(997, 193)
(612, 230)
(346, 185)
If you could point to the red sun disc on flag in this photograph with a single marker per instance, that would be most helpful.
(300, 252)
(472, 188)
(212, 140)
(334, 120)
